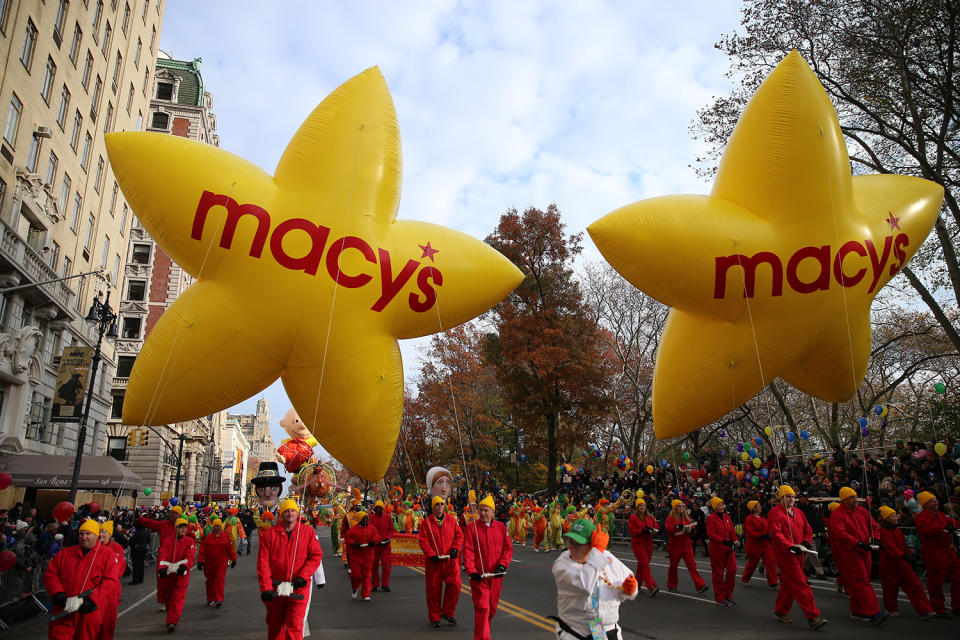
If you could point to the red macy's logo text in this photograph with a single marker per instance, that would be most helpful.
(822, 255)
(390, 285)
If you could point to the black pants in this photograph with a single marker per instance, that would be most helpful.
(137, 556)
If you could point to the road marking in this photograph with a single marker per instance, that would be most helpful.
(137, 603)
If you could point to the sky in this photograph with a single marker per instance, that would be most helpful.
(500, 104)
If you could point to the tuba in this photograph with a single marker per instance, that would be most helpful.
(625, 499)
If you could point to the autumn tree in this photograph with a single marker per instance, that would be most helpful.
(546, 347)
(891, 68)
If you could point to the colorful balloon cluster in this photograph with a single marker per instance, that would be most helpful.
(624, 463)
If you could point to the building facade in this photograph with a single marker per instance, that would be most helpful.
(235, 453)
(256, 429)
(179, 106)
(72, 70)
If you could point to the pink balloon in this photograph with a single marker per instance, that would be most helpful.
(5, 480)
(63, 511)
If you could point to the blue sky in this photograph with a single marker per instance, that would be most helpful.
(500, 104)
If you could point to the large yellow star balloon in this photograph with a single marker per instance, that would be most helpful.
(305, 275)
(774, 272)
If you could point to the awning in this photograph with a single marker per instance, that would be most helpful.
(56, 472)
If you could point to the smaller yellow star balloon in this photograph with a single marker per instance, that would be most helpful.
(774, 272)
(305, 275)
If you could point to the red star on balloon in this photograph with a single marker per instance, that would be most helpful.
(893, 221)
(428, 251)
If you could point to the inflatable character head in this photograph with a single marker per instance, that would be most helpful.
(439, 482)
(295, 428)
(269, 484)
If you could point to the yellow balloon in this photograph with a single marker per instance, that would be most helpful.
(768, 431)
(305, 275)
(745, 456)
(756, 462)
(650, 469)
(640, 493)
(773, 273)
(940, 448)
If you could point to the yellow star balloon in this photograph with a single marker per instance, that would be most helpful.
(305, 275)
(774, 272)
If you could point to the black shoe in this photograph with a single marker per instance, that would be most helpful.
(387, 589)
(435, 623)
(171, 628)
(703, 589)
(816, 623)
(218, 604)
(878, 619)
(374, 589)
(654, 592)
(450, 621)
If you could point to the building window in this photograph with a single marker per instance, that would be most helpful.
(116, 268)
(75, 215)
(13, 120)
(109, 118)
(116, 410)
(131, 328)
(75, 44)
(29, 45)
(126, 19)
(137, 290)
(146, 79)
(4, 16)
(60, 21)
(140, 254)
(153, 39)
(136, 53)
(33, 155)
(89, 239)
(81, 292)
(117, 69)
(64, 107)
(123, 218)
(95, 102)
(52, 165)
(125, 366)
(64, 194)
(164, 91)
(77, 127)
(98, 182)
(54, 255)
(67, 265)
(113, 198)
(106, 250)
(160, 120)
(87, 148)
(97, 16)
(87, 71)
(130, 98)
(146, 7)
(116, 445)
(107, 34)
(48, 77)
(139, 121)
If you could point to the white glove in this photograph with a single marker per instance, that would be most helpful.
(285, 589)
(73, 604)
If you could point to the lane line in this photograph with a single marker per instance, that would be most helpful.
(137, 603)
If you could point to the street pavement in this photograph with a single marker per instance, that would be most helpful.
(528, 596)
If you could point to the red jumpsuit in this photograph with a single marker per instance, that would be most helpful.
(362, 559)
(787, 529)
(723, 561)
(164, 529)
(283, 556)
(539, 526)
(72, 572)
(828, 522)
(849, 527)
(940, 557)
(382, 562)
(438, 539)
(755, 529)
(680, 546)
(174, 550)
(641, 541)
(216, 551)
(113, 603)
(896, 573)
(485, 546)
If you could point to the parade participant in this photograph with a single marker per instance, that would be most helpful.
(336, 517)
(440, 538)
(569, 518)
(233, 529)
(268, 485)
(828, 523)
(539, 516)
(111, 603)
(288, 556)
(487, 553)
(604, 515)
(362, 540)
(139, 545)
(723, 562)
(757, 533)
(895, 572)
(382, 563)
(934, 530)
(407, 517)
(555, 530)
(790, 533)
(642, 526)
(853, 530)
(216, 551)
(166, 530)
(79, 579)
(679, 528)
(591, 584)
(174, 560)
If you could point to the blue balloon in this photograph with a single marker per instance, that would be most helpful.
(723, 452)
(723, 434)
(197, 504)
(486, 473)
(663, 463)
(753, 452)
(758, 440)
(747, 477)
(174, 501)
(863, 422)
(764, 472)
(864, 432)
(804, 434)
(739, 447)
(580, 470)
(878, 409)
(616, 496)
(791, 436)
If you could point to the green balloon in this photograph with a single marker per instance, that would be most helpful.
(940, 388)
(755, 480)
(686, 455)
(147, 491)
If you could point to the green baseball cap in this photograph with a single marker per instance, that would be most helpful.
(580, 531)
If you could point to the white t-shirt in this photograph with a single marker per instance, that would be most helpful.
(575, 586)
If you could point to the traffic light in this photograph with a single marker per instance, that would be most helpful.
(132, 438)
(144, 434)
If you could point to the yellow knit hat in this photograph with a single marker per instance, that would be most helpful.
(378, 503)
(180, 521)
(715, 501)
(832, 506)
(640, 501)
(886, 512)
(488, 502)
(107, 526)
(288, 504)
(177, 509)
(675, 504)
(435, 500)
(785, 490)
(91, 525)
(847, 492)
(752, 505)
(217, 522)
(924, 497)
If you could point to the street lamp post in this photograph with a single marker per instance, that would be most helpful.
(105, 320)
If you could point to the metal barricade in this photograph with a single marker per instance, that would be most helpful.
(18, 585)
